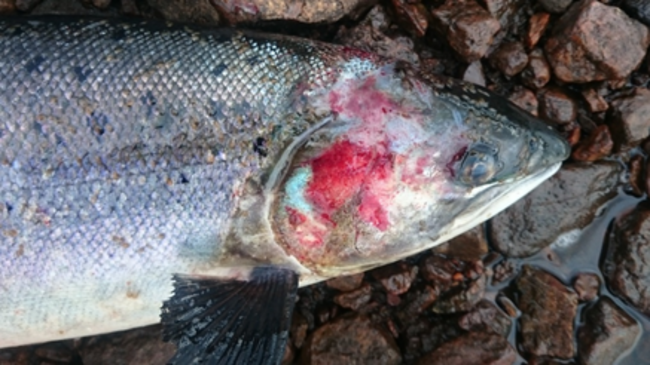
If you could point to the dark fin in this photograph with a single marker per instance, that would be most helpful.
(216, 321)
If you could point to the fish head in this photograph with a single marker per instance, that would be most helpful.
(404, 163)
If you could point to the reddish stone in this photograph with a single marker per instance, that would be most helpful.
(572, 132)
(556, 106)
(629, 119)
(595, 101)
(587, 286)
(473, 348)
(636, 179)
(354, 299)
(474, 73)
(412, 16)
(469, 246)
(345, 283)
(299, 327)
(525, 99)
(598, 145)
(536, 27)
(537, 72)
(396, 278)
(510, 58)
(486, 317)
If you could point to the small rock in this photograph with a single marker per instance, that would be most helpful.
(537, 72)
(508, 306)
(396, 278)
(299, 327)
(412, 16)
(593, 41)
(555, 6)
(587, 286)
(289, 355)
(461, 298)
(504, 271)
(7, 6)
(629, 119)
(354, 299)
(140, 346)
(598, 145)
(536, 27)
(638, 9)
(606, 334)
(503, 10)
(345, 283)
(626, 263)
(474, 73)
(525, 99)
(101, 4)
(538, 219)
(25, 5)
(468, 27)
(510, 58)
(473, 348)
(187, 11)
(556, 106)
(547, 313)
(469, 246)
(350, 340)
(417, 302)
(486, 317)
(595, 101)
(572, 132)
(636, 179)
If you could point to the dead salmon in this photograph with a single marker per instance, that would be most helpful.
(207, 174)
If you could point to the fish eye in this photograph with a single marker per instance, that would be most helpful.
(479, 165)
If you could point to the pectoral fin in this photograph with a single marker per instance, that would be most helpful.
(217, 321)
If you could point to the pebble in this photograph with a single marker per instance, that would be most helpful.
(510, 58)
(412, 16)
(548, 310)
(249, 11)
(629, 120)
(355, 299)
(593, 41)
(556, 106)
(586, 286)
(299, 327)
(595, 101)
(525, 99)
(473, 348)
(536, 28)
(396, 278)
(469, 246)
(486, 317)
(636, 180)
(469, 28)
(537, 72)
(461, 298)
(503, 10)
(606, 334)
(345, 283)
(474, 73)
(598, 145)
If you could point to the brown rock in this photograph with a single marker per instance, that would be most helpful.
(474, 73)
(187, 11)
(547, 313)
(356, 299)
(538, 219)
(418, 302)
(461, 298)
(626, 263)
(299, 327)
(537, 72)
(469, 246)
(412, 16)
(140, 346)
(525, 99)
(606, 334)
(556, 106)
(593, 41)
(504, 271)
(289, 355)
(587, 286)
(345, 283)
(510, 58)
(396, 278)
(555, 6)
(536, 28)
(350, 340)
(595, 101)
(636, 179)
(629, 119)
(7, 6)
(468, 27)
(473, 348)
(486, 317)
(598, 145)
(572, 131)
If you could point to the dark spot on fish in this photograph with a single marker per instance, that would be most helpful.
(9, 207)
(119, 34)
(59, 140)
(97, 123)
(81, 74)
(253, 60)
(21, 250)
(217, 71)
(259, 146)
(149, 100)
(32, 65)
(38, 127)
(184, 179)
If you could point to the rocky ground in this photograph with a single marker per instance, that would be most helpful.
(561, 277)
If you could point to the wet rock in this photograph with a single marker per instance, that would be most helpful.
(345, 283)
(412, 16)
(417, 302)
(595, 101)
(638, 9)
(556, 106)
(7, 6)
(629, 118)
(555, 6)
(350, 340)
(396, 278)
(474, 73)
(510, 58)
(187, 11)
(568, 200)
(537, 72)
(504, 271)
(25, 5)
(140, 346)
(486, 317)
(469, 246)
(606, 334)
(479, 348)
(370, 36)
(305, 11)
(355, 299)
(626, 264)
(461, 298)
(525, 99)
(536, 27)
(598, 145)
(547, 313)
(572, 132)
(593, 41)
(586, 286)
(636, 179)
(468, 27)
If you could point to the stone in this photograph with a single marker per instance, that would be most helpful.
(473, 348)
(606, 334)
(355, 299)
(629, 119)
(350, 340)
(414, 17)
(345, 283)
(556, 106)
(486, 317)
(626, 259)
(536, 28)
(548, 310)
(474, 73)
(636, 180)
(469, 246)
(598, 145)
(510, 58)
(187, 11)
(586, 286)
(396, 278)
(469, 28)
(594, 100)
(503, 10)
(593, 41)
(461, 298)
(537, 72)
(569, 200)
(555, 6)
(525, 99)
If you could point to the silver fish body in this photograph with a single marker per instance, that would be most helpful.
(133, 151)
